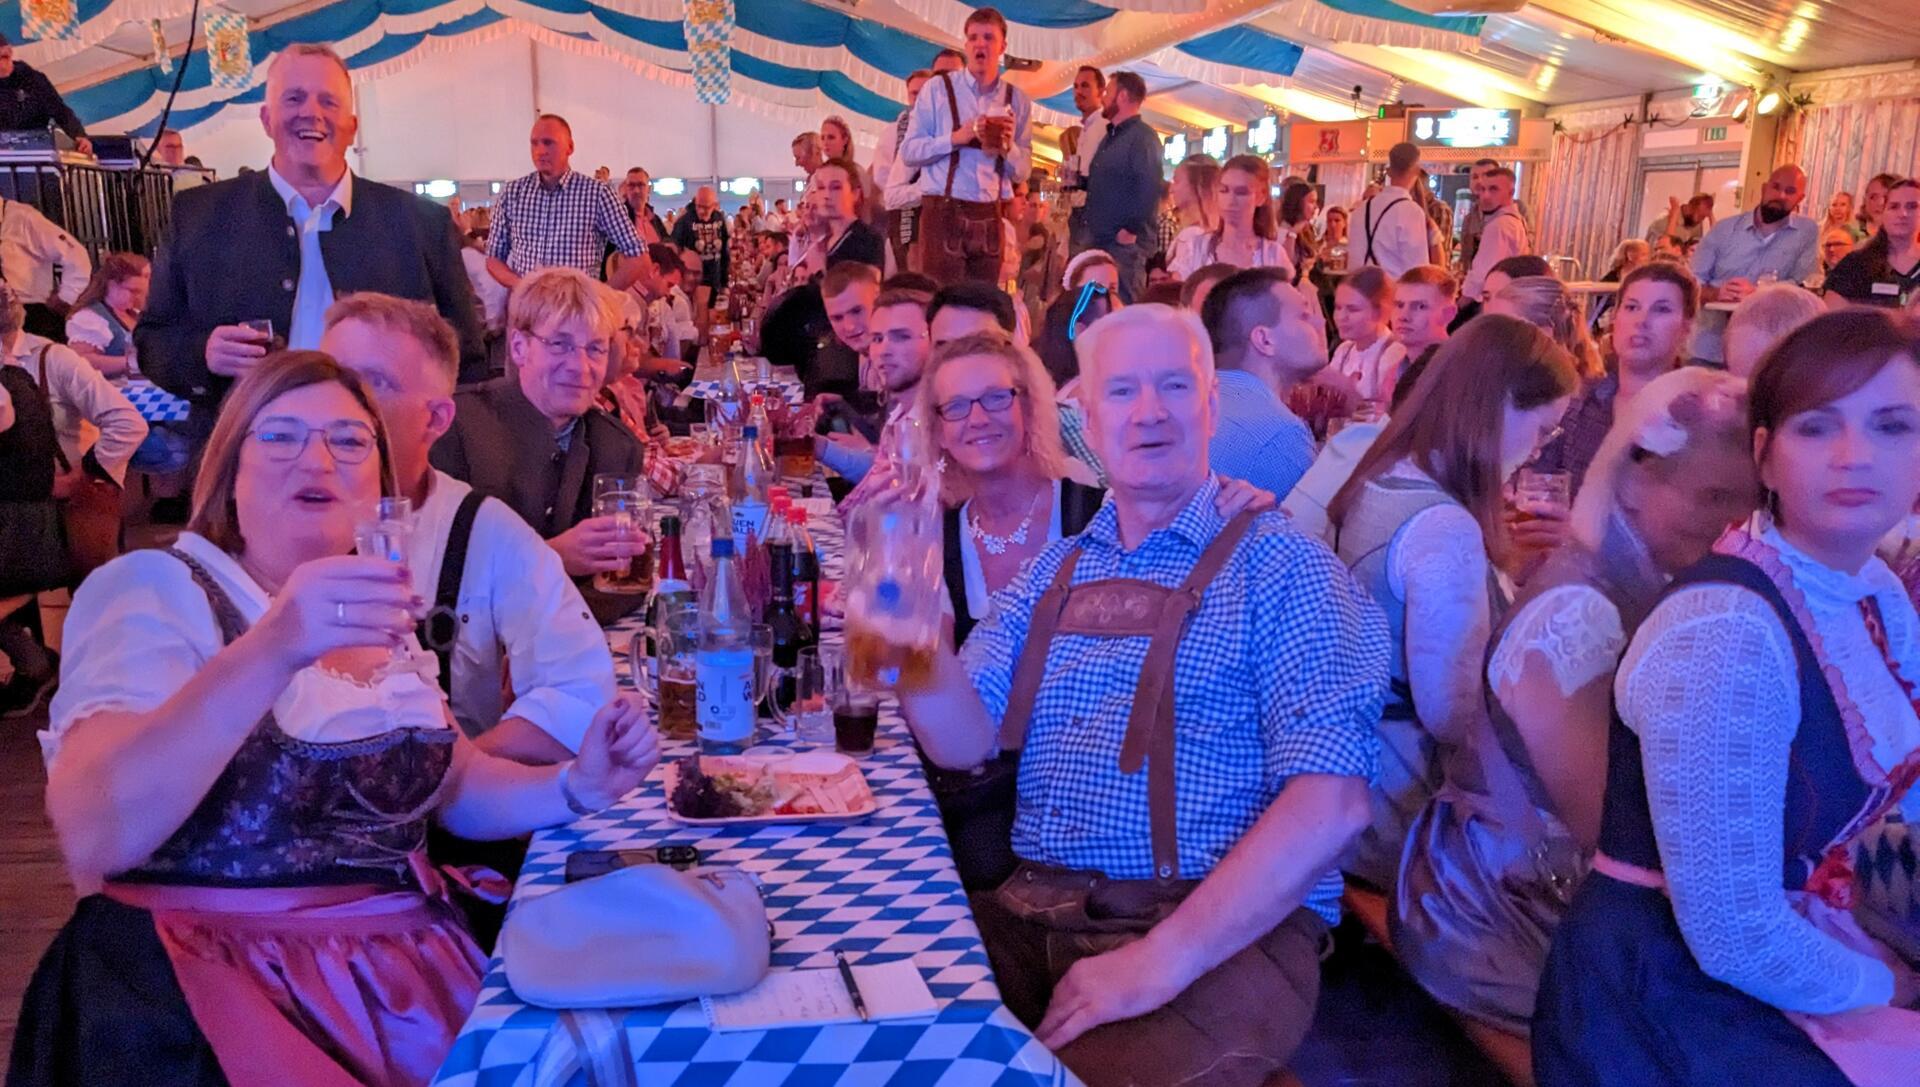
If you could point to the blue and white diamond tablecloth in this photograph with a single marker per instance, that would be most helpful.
(155, 405)
(790, 390)
(880, 890)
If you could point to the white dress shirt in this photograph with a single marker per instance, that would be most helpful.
(83, 399)
(1503, 235)
(488, 291)
(1397, 228)
(315, 291)
(31, 247)
(517, 608)
(141, 627)
(929, 143)
(1093, 128)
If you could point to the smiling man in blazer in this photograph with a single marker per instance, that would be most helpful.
(279, 244)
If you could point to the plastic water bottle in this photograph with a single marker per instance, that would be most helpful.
(723, 665)
(752, 475)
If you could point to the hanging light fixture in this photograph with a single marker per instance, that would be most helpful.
(1769, 102)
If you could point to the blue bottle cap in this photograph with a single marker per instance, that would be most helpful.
(723, 547)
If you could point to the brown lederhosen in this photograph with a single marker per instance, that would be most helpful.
(1241, 1021)
(961, 239)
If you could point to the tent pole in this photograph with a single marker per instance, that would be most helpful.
(713, 142)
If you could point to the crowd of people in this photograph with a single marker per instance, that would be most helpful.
(1292, 557)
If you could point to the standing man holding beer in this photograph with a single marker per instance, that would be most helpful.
(969, 137)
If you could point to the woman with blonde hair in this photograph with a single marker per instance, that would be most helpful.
(1545, 302)
(1492, 862)
(1422, 524)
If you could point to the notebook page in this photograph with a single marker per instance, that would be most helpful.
(892, 990)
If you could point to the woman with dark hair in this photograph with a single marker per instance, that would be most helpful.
(1247, 235)
(1422, 524)
(839, 201)
(1886, 270)
(1299, 203)
(242, 758)
(1764, 717)
(1657, 305)
(1493, 860)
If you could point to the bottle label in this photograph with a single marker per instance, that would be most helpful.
(749, 517)
(724, 689)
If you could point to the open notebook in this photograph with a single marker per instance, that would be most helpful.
(784, 998)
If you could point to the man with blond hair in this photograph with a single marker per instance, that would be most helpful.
(252, 263)
(535, 440)
(502, 602)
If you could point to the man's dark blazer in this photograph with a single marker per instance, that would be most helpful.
(504, 448)
(231, 255)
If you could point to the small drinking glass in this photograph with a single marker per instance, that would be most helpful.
(761, 638)
(263, 327)
(808, 717)
(855, 709)
(385, 531)
(1543, 494)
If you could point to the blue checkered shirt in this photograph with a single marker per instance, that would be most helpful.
(567, 226)
(1283, 671)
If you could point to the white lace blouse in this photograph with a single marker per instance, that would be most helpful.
(1710, 686)
(1437, 567)
(1193, 249)
(140, 628)
(1373, 370)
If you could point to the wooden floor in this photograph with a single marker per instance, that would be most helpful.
(35, 898)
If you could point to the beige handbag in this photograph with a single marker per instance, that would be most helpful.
(638, 936)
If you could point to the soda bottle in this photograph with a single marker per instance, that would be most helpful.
(723, 665)
(806, 567)
(790, 631)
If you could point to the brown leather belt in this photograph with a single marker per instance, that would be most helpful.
(1126, 608)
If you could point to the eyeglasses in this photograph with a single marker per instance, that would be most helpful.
(995, 401)
(560, 347)
(348, 441)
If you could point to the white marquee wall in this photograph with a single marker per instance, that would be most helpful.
(464, 115)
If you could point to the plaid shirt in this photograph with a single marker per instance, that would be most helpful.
(1582, 429)
(1283, 671)
(566, 226)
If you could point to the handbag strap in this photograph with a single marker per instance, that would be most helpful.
(59, 454)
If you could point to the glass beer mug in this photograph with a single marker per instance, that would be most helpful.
(664, 676)
(893, 591)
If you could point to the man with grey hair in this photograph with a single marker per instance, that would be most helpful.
(252, 263)
(1193, 696)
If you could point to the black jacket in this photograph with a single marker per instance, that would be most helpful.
(1078, 504)
(231, 255)
(28, 100)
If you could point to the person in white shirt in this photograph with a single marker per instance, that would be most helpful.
(967, 166)
(1502, 235)
(42, 262)
(899, 184)
(1390, 229)
(80, 396)
(517, 612)
(1089, 96)
(1368, 354)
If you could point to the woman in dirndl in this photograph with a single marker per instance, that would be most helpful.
(1492, 862)
(1764, 721)
(242, 758)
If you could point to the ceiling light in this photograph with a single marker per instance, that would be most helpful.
(1740, 108)
(1769, 102)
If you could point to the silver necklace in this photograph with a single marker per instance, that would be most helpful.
(997, 545)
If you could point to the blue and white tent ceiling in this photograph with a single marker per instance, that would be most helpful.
(1208, 61)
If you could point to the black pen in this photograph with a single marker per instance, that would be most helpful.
(853, 987)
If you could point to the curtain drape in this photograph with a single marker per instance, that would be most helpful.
(1345, 181)
(1841, 145)
(1582, 203)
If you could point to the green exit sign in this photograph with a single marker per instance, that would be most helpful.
(1716, 133)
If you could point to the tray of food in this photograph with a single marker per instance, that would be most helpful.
(787, 787)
